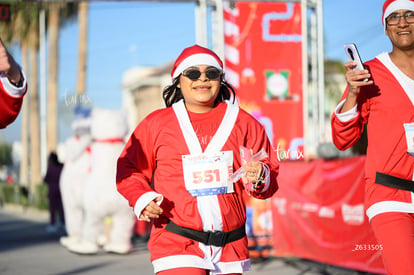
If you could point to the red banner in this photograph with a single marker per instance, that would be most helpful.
(263, 54)
(318, 214)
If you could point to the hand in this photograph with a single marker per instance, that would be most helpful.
(355, 79)
(253, 170)
(8, 65)
(152, 210)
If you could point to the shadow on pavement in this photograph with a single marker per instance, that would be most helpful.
(15, 234)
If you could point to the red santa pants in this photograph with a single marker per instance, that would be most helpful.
(395, 232)
(187, 270)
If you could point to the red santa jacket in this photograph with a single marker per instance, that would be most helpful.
(385, 106)
(152, 161)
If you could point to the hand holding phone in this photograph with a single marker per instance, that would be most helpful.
(353, 54)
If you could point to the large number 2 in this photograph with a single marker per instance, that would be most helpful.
(206, 176)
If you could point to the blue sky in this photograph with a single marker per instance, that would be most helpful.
(354, 21)
(126, 34)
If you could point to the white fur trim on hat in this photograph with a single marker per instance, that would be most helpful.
(397, 5)
(196, 59)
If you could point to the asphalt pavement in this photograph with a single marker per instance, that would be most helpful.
(27, 249)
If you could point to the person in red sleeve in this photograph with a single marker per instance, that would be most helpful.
(176, 168)
(385, 104)
(13, 86)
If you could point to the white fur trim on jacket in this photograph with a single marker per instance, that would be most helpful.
(10, 88)
(143, 201)
(390, 206)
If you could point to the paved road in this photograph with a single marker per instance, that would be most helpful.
(27, 249)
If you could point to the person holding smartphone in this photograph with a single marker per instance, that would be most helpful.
(13, 87)
(175, 171)
(385, 103)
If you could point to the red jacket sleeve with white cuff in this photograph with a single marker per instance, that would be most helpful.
(11, 100)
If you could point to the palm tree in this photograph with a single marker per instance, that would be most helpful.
(23, 29)
(52, 101)
(24, 161)
(33, 42)
(24, 26)
(83, 41)
(58, 15)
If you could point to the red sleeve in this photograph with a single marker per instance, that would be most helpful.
(345, 134)
(10, 107)
(136, 164)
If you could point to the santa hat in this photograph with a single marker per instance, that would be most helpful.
(193, 56)
(391, 6)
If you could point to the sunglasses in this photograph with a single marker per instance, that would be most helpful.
(211, 74)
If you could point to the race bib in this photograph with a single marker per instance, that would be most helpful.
(409, 135)
(208, 173)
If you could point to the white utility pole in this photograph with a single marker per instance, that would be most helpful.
(218, 29)
(201, 23)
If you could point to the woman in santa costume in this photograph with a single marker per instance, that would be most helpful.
(12, 87)
(175, 171)
(385, 104)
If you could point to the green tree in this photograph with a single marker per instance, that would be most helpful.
(6, 155)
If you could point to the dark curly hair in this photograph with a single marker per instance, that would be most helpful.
(173, 94)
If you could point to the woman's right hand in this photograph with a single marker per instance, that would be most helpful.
(152, 210)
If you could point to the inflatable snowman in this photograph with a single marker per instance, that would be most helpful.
(101, 199)
(75, 172)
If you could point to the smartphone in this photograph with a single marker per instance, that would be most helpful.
(353, 54)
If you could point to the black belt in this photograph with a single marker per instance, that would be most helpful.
(394, 182)
(216, 238)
